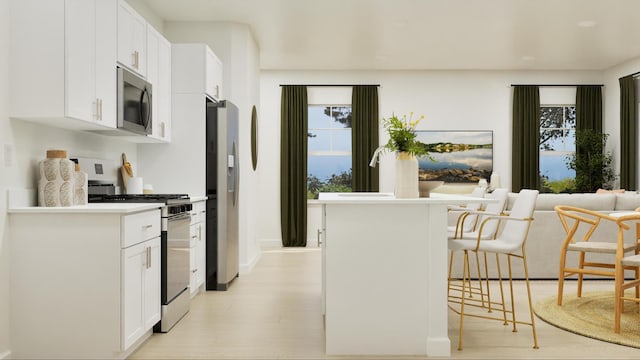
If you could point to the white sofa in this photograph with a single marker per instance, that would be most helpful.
(546, 234)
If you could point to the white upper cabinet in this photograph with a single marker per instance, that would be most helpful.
(196, 69)
(213, 86)
(132, 39)
(159, 75)
(62, 56)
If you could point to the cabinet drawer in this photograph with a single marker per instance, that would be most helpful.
(195, 216)
(198, 212)
(139, 227)
(194, 235)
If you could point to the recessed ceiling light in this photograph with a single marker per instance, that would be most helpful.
(528, 58)
(587, 23)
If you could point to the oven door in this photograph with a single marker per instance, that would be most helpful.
(177, 251)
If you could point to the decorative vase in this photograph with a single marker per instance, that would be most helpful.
(81, 193)
(406, 176)
(56, 181)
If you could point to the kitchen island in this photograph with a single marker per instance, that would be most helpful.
(385, 273)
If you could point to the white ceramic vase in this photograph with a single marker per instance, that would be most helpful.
(406, 176)
(56, 182)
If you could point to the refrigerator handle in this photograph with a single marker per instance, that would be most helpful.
(234, 171)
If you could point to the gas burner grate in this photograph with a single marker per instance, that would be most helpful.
(132, 198)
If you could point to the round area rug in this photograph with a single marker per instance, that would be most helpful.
(592, 316)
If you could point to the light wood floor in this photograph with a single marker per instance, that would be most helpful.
(274, 312)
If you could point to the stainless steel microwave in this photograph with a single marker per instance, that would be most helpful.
(134, 102)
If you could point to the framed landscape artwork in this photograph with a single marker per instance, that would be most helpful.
(460, 156)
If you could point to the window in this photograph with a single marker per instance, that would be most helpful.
(557, 142)
(329, 149)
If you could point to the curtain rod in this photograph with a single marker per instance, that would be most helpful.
(557, 85)
(635, 74)
(330, 84)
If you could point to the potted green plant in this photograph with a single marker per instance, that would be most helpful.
(402, 140)
(591, 161)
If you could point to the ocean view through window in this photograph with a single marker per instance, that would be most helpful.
(329, 149)
(557, 143)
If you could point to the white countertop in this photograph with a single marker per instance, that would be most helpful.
(388, 198)
(113, 208)
(197, 198)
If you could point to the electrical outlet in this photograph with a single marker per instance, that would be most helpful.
(8, 155)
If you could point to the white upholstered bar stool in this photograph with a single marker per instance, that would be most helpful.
(489, 230)
(511, 242)
(460, 213)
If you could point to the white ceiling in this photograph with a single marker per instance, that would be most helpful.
(427, 34)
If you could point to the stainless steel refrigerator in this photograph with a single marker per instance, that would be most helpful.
(222, 192)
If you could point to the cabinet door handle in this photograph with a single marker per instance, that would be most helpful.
(99, 109)
(194, 271)
(145, 227)
(148, 257)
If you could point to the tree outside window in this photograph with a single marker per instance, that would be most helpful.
(329, 149)
(557, 143)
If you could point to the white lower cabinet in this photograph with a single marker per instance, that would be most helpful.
(197, 249)
(141, 289)
(83, 284)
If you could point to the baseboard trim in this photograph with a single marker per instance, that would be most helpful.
(270, 243)
(246, 268)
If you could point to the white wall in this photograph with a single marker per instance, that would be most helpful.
(611, 100)
(5, 181)
(450, 100)
(235, 46)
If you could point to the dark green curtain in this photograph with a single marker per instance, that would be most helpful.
(525, 163)
(589, 108)
(364, 137)
(293, 165)
(588, 121)
(628, 144)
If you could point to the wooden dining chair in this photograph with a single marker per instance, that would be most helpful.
(580, 225)
(628, 262)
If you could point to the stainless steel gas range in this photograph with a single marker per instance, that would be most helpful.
(174, 253)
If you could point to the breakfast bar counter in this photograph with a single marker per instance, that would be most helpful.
(385, 273)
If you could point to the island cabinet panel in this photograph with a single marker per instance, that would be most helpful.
(76, 292)
(385, 274)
